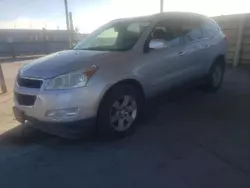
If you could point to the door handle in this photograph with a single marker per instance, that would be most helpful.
(182, 53)
(206, 46)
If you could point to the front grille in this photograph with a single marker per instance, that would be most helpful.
(29, 83)
(26, 100)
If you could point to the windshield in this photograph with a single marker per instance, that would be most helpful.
(119, 36)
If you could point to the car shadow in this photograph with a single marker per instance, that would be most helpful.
(23, 134)
(166, 101)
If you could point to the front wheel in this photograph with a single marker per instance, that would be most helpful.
(119, 111)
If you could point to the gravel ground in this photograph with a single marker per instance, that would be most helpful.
(189, 140)
(10, 69)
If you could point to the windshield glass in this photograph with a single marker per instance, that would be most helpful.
(119, 36)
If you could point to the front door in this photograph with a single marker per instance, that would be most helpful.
(165, 67)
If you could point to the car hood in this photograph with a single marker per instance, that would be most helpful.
(63, 62)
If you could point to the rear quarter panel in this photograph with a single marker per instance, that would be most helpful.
(218, 47)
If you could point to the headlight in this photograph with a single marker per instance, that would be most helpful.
(71, 80)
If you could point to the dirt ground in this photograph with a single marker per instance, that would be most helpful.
(190, 140)
(6, 103)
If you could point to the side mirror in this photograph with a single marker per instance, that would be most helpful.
(157, 44)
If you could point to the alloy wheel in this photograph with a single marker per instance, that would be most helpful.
(123, 113)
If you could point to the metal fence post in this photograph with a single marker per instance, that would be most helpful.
(13, 50)
(45, 42)
(2, 81)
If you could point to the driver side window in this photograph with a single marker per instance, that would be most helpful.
(166, 32)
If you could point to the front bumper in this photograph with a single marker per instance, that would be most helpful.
(75, 129)
(85, 99)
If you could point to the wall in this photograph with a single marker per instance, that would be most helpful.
(22, 48)
(19, 42)
(230, 24)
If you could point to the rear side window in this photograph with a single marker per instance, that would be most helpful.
(209, 28)
(192, 34)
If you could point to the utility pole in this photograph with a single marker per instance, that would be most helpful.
(161, 5)
(2, 81)
(66, 13)
(71, 21)
(71, 24)
(67, 22)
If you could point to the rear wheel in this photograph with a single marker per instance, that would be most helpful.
(215, 77)
(119, 111)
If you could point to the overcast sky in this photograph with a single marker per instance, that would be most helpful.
(89, 14)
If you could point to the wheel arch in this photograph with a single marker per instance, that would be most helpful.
(132, 82)
(221, 59)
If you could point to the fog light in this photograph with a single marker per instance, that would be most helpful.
(61, 114)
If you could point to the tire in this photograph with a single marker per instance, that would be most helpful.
(215, 78)
(113, 107)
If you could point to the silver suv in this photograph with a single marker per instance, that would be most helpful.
(103, 81)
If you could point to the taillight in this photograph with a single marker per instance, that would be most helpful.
(226, 37)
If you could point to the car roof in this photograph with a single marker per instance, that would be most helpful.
(161, 16)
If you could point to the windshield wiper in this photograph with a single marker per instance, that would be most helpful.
(102, 48)
(94, 48)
